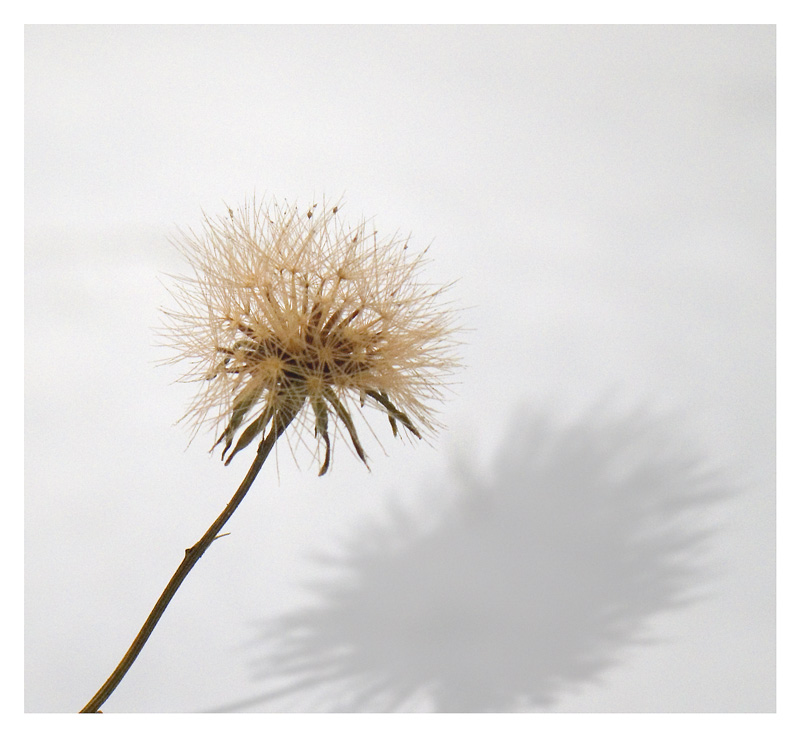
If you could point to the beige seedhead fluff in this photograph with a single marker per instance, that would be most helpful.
(296, 317)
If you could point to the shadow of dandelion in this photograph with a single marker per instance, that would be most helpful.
(533, 582)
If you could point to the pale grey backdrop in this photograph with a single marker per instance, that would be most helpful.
(595, 529)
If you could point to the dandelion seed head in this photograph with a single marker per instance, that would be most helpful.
(295, 312)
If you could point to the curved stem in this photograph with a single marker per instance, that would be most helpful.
(192, 555)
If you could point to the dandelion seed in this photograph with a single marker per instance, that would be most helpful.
(293, 316)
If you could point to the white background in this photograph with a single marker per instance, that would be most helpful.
(605, 197)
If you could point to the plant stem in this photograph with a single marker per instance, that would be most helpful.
(192, 555)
